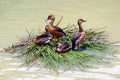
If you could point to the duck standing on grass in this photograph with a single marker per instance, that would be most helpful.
(44, 38)
(62, 47)
(79, 36)
(55, 31)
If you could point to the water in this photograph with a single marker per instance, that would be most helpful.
(11, 69)
(16, 15)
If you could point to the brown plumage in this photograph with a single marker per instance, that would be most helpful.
(55, 31)
(62, 47)
(44, 38)
(78, 36)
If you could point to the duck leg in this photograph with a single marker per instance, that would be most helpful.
(80, 48)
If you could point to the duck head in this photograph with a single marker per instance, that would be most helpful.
(51, 17)
(58, 44)
(81, 21)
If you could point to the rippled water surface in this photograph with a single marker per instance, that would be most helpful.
(15, 15)
(12, 69)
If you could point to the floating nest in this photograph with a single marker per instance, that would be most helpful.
(96, 39)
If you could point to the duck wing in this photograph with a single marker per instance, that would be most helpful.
(74, 39)
(59, 30)
(76, 36)
(65, 45)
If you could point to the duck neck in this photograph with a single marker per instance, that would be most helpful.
(80, 27)
(52, 21)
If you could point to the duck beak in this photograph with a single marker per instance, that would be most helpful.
(84, 20)
(48, 18)
(46, 21)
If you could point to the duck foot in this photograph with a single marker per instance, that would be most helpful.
(81, 48)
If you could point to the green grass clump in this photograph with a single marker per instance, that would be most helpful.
(95, 40)
(53, 60)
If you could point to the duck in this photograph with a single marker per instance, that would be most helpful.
(79, 36)
(42, 39)
(62, 47)
(55, 31)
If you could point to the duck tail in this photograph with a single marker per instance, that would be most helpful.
(73, 44)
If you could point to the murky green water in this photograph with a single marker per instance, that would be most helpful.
(15, 15)
(12, 69)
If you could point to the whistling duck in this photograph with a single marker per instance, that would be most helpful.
(79, 36)
(62, 47)
(44, 38)
(55, 31)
